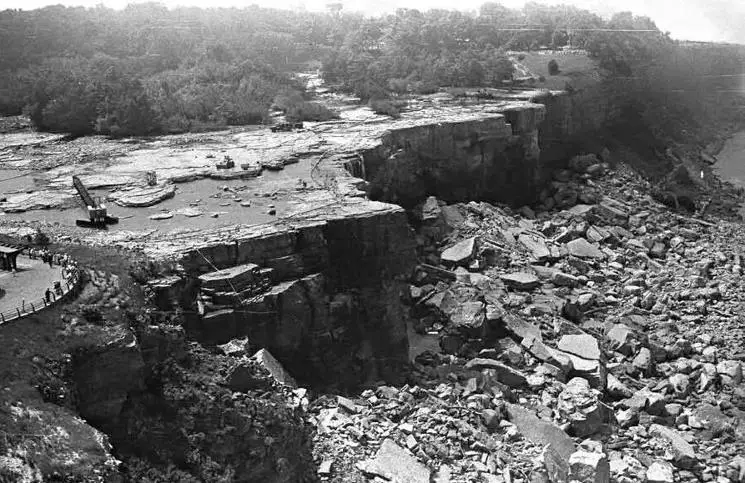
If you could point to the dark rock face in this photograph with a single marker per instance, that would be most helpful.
(493, 158)
(216, 418)
(105, 375)
(324, 298)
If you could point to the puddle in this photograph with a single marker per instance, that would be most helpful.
(205, 195)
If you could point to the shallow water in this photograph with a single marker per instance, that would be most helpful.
(206, 195)
(15, 181)
(731, 160)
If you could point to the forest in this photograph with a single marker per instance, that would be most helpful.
(148, 69)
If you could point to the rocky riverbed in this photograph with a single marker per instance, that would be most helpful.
(603, 342)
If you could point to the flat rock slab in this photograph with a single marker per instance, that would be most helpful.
(521, 280)
(395, 464)
(520, 327)
(140, 197)
(536, 245)
(548, 354)
(161, 216)
(505, 374)
(274, 368)
(460, 253)
(582, 345)
(583, 249)
(190, 212)
(543, 433)
(684, 456)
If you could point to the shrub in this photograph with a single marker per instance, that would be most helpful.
(91, 314)
(41, 239)
(521, 57)
(310, 111)
(424, 87)
(385, 107)
(553, 67)
(398, 85)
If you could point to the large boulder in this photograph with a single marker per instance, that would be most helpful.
(461, 253)
(396, 465)
(581, 406)
(684, 456)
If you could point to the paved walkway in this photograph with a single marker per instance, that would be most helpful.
(28, 284)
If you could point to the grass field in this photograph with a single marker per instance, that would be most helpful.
(575, 68)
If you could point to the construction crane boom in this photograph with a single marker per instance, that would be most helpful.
(83, 192)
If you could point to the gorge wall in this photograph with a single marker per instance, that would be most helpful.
(503, 153)
(321, 294)
(321, 288)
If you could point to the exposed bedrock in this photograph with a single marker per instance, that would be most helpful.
(572, 123)
(322, 292)
(322, 296)
(494, 157)
(503, 154)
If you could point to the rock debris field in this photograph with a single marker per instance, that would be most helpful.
(603, 342)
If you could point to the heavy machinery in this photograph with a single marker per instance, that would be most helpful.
(97, 215)
(227, 163)
(287, 126)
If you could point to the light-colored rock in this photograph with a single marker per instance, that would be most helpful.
(643, 361)
(536, 245)
(616, 388)
(581, 248)
(161, 216)
(505, 374)
(235, 348)
(461, 253)
(681, 384)
(621, 339)
(548, 354)
(589, 467)
(274, 368)
(143, 196)
(395, 464)
(684, 456)
(592, 370)
(559, 446)
(730, 372)
(660, 472)
(521, 281)
(581, 345)
(581, 406)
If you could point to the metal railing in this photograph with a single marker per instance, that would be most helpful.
(68, 289)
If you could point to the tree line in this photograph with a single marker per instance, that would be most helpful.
(149, 69)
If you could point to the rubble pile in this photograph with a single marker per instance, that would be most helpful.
(598, 343)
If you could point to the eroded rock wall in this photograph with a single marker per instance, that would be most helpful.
(572, 119)
(326, 299)
(494, 157)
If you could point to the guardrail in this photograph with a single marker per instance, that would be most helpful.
(68, 289)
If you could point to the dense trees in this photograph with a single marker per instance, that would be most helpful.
(148, 69)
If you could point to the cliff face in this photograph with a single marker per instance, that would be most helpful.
(320, 288)
(492, 156)
(322, 295)
(503, 152)
(571, 120)
(104, 376)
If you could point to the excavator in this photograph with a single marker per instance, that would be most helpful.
(97, 214)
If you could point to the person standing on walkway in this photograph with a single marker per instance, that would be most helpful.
(48, 295)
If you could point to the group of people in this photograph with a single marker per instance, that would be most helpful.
(70, 270)
(48, 257)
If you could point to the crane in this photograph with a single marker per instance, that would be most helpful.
(97, 215)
